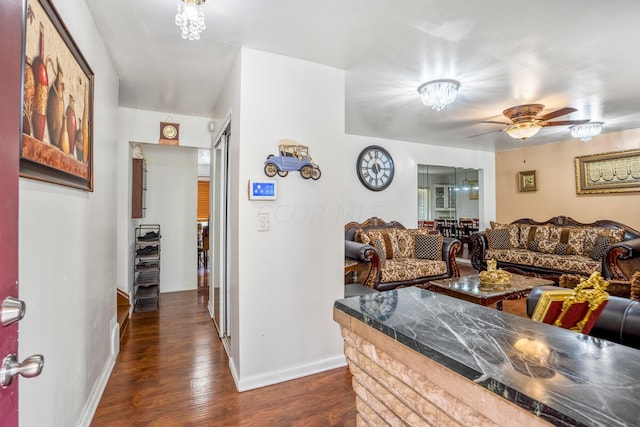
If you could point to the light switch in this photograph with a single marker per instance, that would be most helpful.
(263, 222)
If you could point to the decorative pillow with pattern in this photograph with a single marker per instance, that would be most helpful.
(590, 239)
(381, 250)
(498, 238)
(527, 235)
(615, 234)
(391, 242)
(547, 246)
(555, 233)
(577, 238)
(600, 247)
(542, 233)
(635, 286)
(429, 246)
(533, 246)
(403, 246)
(361, 237)
(564, 249)
(514, 232)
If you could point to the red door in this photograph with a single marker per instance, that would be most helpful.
(11, 34)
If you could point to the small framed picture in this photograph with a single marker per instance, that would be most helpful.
(527, 181)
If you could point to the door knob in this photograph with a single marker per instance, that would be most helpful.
(12, 310)
(30, 367)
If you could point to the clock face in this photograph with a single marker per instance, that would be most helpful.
(169, 131)
(375, 168)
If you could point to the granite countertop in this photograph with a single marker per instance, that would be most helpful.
(563, 377)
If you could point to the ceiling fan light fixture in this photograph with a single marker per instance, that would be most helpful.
(190, 18)
(586, 131)
(437, 94)
(523, 130)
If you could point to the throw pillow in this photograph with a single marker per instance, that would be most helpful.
(563, 249)
(498, 238)
(429, 246)
(555, 233)
(635, 286)
(527, 234)
(381, 250)
(514, 232)
(616, 235)
(533, 246)
(542, 233)
(391, 243)
(600, 248)
(403, 243)
(577, 238)
(362, 237)
(548, 246)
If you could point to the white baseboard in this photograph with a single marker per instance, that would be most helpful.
(275, 377)
(100, 385)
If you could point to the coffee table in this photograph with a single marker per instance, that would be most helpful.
(468, 288)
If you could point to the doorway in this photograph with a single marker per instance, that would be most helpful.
(450, 198)
(203, 220)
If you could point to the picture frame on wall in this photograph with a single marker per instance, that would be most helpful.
(615, 172)
(474, 191)
(57, 114)
(527, 181)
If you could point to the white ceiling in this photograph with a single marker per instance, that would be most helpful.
(576, 53)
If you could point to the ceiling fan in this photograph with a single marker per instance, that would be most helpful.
(525, 121)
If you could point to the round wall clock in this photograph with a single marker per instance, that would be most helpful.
(375, 168)
(169, 131)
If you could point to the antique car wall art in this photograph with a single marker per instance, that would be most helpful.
(293, 157)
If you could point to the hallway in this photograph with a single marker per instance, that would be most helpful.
(172, 370)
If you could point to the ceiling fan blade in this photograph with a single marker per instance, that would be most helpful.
(497, 123)
(566, 122)
(558, 113)
(485, 133)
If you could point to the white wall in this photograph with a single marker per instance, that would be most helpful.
(67, 262)
(290, 276)
(171, 201)
(400, 200)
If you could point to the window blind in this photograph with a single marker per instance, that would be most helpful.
(203, 200)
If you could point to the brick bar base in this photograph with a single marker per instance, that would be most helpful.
(396, 385)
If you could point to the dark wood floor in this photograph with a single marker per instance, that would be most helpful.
(172, 370)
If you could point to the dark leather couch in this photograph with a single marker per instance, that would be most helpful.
(619, 321)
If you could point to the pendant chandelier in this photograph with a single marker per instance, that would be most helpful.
(190, 18)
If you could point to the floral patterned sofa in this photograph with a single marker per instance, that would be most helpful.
(560, 245)
(390, 256)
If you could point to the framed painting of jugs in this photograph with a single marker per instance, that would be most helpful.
(57, 119)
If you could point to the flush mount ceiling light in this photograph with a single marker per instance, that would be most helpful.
(586, 131)
(190, 18)
(523, 130)
(437, 94)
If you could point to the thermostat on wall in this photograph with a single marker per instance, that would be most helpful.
(263, 189)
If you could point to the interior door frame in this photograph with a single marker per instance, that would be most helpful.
(220, 246)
